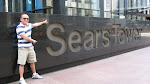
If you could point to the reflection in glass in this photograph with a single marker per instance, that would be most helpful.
(115, 15)
(144, 3)
(81, 12)
(84, 7)
(95, 13)
(129, 4)
(121, 16)
(19, 6)
(129, 17)
(115, 5)
(95, 4)
(107, 5)
(13, 5)
(107, 14)
(6, 5)
(87, 13)
(138, 17)
(70, 3)
(0, 5)
(134, 17)
(71, 11)
(110, 8)
(133, 3)
(148, 3)
(139, 4)
(49, 3)
(121, 6)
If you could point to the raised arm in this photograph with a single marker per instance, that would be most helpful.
(39, 23)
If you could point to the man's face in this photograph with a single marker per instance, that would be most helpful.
(24, 19)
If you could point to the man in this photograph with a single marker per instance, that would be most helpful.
(25, 48)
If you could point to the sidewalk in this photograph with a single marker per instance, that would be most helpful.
(128, 68)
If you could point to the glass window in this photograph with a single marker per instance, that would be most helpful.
(95, 13)
(18, 6)
(148, 12)
(143, 18)
(138, 17)
(0, 5)
(84, 4)
(144, 3)
(148, 3)
(129, 4)
(9, 5)
(49, 3)
(87, 1)
(81, 12)
(6, 5)
(28, 5)
(85, 7)
(115, 15)
(38, 4)
(121, 16)
(71, 11)
(107, 5)
(87, 13)
(107, 14)
(121, 6)
(129, 16)
(133, 3)
(134, 17)
(139, 3)
(70, 3)
(115, 6)
(95, 4)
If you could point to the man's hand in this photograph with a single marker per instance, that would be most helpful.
(39, 23)
(45, 22)
(34, 41)
(28, 39)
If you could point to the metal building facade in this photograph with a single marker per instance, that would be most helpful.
(122, 9)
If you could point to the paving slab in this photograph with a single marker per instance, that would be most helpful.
(128, 68)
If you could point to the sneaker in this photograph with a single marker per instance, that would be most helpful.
(22, 82)
(37, 76)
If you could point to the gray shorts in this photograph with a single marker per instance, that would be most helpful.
(26, 54)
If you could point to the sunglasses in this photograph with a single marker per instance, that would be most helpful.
(26, 18)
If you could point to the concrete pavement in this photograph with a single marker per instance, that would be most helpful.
(128, 68)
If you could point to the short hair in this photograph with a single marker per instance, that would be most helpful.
(23, 14)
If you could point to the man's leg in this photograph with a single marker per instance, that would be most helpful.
(21, 70)
(32, 59)
(32, 66)
(35, 75)
(22, 56)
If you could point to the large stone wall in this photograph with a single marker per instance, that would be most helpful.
(69, 39)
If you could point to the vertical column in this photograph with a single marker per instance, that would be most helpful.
(3, 5)
(33, 6)
(59, 7)
(126, 8)
(102, 8)
(17, 7)
(0, 5)
(24, 5)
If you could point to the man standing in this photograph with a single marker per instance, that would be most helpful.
(25, 48)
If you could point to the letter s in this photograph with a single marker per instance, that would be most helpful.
(106, 37)
(56, 39)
